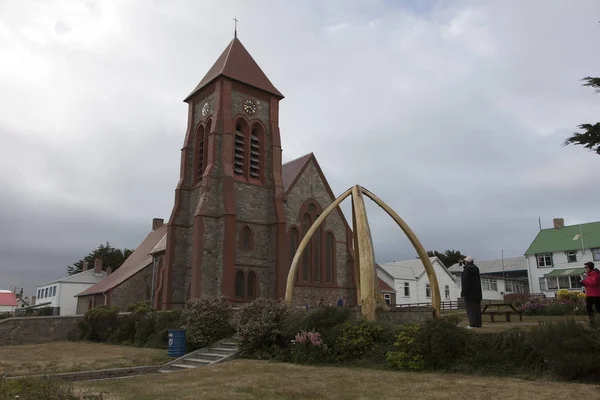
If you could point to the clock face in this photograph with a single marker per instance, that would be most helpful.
(249, 107)
(205, 109)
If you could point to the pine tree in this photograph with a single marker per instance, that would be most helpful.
(590, 137)
(111, 257)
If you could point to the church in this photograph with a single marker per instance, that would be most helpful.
(239, 213)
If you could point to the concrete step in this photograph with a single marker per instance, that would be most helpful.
(198, 362)
(228, 344)
(182, 366)
(226, 351)
(164, 371)
(209, 356)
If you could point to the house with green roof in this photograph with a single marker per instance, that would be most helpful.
(556, 256)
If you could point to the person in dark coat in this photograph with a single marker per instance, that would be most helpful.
(471, 292)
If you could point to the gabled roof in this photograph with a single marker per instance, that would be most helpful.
(292, 169)
(492, 266)
(8, 298)
(88, 276)
(160, 246)
(236, 63)
(410, 269)
(384, 287)
(567, 238)
(137, 261)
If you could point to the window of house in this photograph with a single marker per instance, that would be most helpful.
(485, 284)
(428, 290)
(544, 260)
(543, 284)
(406, 289)
(447, 291)
(329, 257)
(46, 292)
(575, 281)
(571, 256)
(246, 238)
(564, 282)
(596, 254)
(239, 284)
(552, 283)
(54, 291)
(388, 299)
(251, 285)
(493, 285)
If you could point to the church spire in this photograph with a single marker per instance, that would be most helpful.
(235, 27)
(236, 63)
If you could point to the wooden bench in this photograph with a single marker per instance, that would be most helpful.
(507, 314)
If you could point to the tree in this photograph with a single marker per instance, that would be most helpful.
(111, 257)
(590, 137)
(448, 257)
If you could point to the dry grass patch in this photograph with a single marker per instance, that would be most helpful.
(247, 379)
(74, 356)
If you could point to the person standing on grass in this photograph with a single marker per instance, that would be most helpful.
(471, 292)
(592, 289)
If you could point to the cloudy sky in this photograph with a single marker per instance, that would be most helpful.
(453, 112)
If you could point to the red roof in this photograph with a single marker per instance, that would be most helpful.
(236, 63)
(291, 170)
(8, 299)
(137, 261)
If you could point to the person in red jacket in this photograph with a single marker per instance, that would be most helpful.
(592, 289)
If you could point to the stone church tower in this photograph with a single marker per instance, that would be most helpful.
(228, 208)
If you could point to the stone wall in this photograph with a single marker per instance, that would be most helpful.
(27, 330)
(133, 290)
(406, 316)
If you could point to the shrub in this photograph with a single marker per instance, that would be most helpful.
(406, 357)
(207, 320)
(259, 327)
(99, 323)
(356, 339)
(140, 307)
(569, 350)
(308, 347)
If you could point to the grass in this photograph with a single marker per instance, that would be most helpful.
(248, 379)
(57, 357)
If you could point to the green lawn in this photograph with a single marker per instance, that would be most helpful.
(247, 379)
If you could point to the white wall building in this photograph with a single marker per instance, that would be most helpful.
(411, 283)
(498, 277)
(61, 292)
(556, 256)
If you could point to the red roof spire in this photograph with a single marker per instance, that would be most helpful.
(236, 63)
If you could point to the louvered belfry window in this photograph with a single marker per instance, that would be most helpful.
(239, 155)
(255, 154)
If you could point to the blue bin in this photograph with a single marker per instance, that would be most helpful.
(176, 342)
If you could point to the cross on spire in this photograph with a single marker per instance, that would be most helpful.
(235, 26)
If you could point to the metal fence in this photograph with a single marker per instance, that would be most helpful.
(37, 312)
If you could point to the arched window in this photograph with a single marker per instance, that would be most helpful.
(239, 157)
(293, 244)
(306, 223)
(239, 284)
(246, 237)
(251, 285)
(316, 277)
(200, 161)
(255, 153)
(329, 257)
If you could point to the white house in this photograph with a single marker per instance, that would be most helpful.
(499, 278)
(411, 283)
(61, 293)
(556, 256)
(8, 301)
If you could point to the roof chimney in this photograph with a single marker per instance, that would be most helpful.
(85, 266)
(559, 223)
(108, 271)
(98, 266)
(157, 223)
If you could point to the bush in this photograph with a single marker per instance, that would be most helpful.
(140, 307)
(308, 347)
(99, 323)
(207, 320)
(259, 327)
(356, 339)
(569, 350)
(41, 388)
